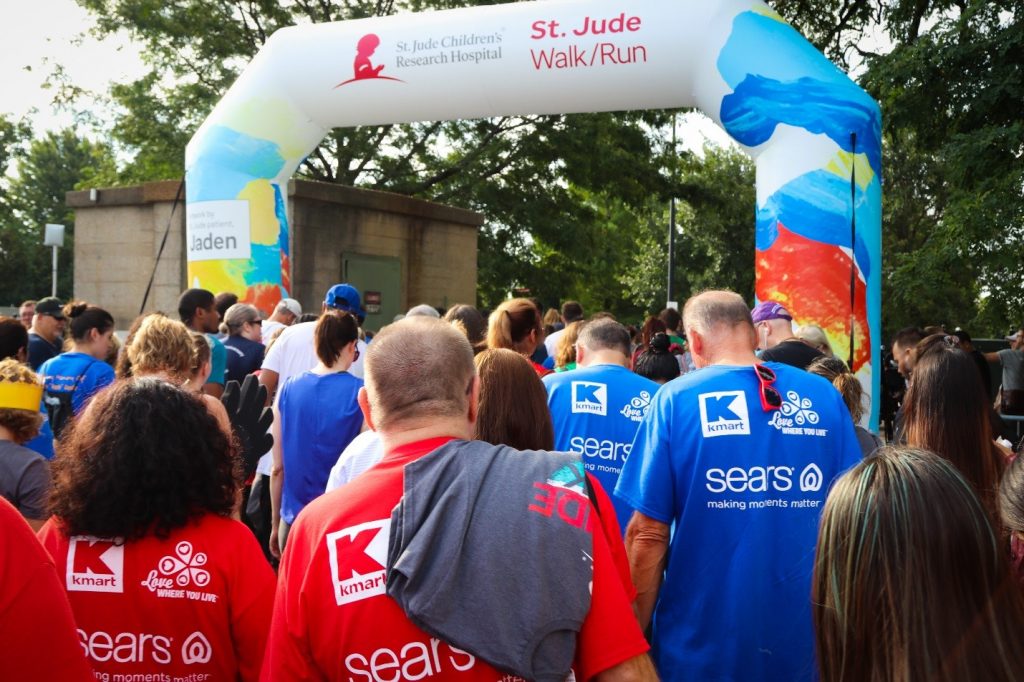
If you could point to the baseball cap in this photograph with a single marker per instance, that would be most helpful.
(1011, 337)
(344, 297)
(50, 306)
(769, 310)
(291, 305)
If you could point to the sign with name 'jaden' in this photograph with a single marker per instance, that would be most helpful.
(218, 230)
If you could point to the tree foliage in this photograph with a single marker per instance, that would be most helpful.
(45, 168)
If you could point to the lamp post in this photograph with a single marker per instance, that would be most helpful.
(54, 237)
(669, 292)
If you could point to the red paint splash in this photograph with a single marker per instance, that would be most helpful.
(812, 279)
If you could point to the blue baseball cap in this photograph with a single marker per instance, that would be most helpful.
(345, 297)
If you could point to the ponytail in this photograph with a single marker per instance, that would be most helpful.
(83, 318)
(511, 323)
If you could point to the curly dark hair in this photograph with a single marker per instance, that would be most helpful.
(144, 458)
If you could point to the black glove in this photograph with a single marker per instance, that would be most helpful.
(250, 420)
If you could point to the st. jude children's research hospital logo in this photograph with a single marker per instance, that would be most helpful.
(363, 67)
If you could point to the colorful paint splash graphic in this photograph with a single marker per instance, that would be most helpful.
(808, 246)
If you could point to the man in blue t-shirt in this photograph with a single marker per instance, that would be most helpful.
(739, 457)
(197, 308)
(597, 407)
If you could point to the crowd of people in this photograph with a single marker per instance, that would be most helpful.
(516, 494)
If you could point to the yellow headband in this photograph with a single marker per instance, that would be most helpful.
(20, 395)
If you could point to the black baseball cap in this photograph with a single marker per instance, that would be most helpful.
(51, 306)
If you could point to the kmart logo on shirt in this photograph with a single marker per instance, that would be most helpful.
(589, 397)
(724, 413)
(358, 556)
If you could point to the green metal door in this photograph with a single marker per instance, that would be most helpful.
(379, 281)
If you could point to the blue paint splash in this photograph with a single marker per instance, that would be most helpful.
(230, 161)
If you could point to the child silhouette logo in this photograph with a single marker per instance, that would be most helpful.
(362, 67)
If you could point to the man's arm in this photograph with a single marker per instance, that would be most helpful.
(647, 549)
(636, 669)
(276, 484)
(992, 357)
(269, 378)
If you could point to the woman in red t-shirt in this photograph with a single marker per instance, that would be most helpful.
(161, 581)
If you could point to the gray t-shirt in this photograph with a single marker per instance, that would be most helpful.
(24, 479)
(1013, 369)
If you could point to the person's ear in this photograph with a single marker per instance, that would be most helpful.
(581, 352)
(21, 355)
(696, 342)
(474, 400)
(364, 406)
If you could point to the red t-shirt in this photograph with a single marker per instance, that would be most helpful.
(195, 606)
(333, 621)
(37, 630)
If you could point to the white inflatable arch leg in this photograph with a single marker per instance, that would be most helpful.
(815, 135)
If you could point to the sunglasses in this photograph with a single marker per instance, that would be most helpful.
(771, 399)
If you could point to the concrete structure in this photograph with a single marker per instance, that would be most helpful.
(399, 250)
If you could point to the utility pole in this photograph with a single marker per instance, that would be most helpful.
(670, 291)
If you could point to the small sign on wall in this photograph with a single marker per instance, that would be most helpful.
(218, 230)
(371, 299)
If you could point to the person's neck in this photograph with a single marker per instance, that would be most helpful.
(398, 435)
(84, 350)
(605, 357)
(735, 358)
(45, 337)
(337, 368)
(5, 434)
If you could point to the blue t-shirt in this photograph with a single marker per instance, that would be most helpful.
(745, 489)
(596, 411)
(243, 357)
(218, 361)
(79, 374)
(319, 418)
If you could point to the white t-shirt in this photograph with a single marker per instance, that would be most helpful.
(363, 452)
(551, 341)
(268, 329)
(293, 353)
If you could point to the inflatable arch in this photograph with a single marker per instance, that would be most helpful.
(814, 134)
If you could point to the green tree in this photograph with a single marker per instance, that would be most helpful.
(49, 167)
(714, 242)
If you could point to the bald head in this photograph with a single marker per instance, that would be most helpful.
(722, 321)
(417, 370)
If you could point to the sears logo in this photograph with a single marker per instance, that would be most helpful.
(754, 479)
(589, 397)
(95, 565)
(811, 478)
(358, 556)
(724, 413)
(196, 649)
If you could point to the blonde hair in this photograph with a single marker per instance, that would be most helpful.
(511, 323)
(815, 335)
(418, 368)
(23, 424)
(236, 316)
(565, 354)
(162, 345)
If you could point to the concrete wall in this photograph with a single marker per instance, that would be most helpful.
(118, 236)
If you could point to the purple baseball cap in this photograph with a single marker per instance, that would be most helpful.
(769, 310)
